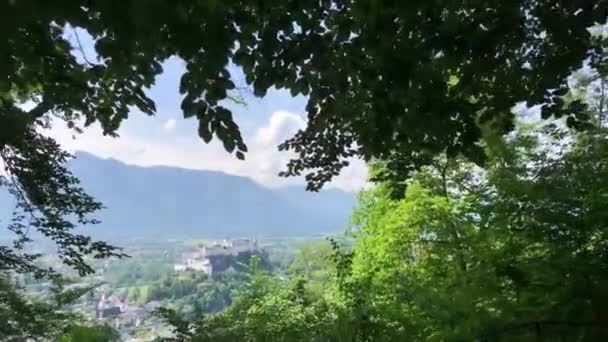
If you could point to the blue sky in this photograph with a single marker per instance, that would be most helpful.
(169, 139)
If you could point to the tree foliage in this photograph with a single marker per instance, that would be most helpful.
(78, 333)
(457, 251)
(494, 255)
(516, 251)
(380, 77)
(23, 317)
(50, 201)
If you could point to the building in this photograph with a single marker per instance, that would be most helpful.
(111, 312)
(106, 308)
(199, 264)
(202, 259)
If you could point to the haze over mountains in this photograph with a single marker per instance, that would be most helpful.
(165, 201)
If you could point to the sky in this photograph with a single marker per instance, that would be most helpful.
(169, 139)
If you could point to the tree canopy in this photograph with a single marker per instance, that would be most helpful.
(416, 77)
(515, 252)
(405, 84)
(25, 318)
(382, 78)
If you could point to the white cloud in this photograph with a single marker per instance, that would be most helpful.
(281, 126)
(262, 164)
(169, 125)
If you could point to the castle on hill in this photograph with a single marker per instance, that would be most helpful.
(206, 258)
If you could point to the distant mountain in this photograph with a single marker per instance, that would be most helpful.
(174, 202)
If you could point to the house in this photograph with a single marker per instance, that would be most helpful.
(109, 312)
(106, 309)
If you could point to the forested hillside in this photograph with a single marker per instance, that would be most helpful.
(516, 251)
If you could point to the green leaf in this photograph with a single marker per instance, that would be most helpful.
(203, 131)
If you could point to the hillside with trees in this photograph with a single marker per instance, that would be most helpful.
(516, 251)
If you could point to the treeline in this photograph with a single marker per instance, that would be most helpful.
(516, 251)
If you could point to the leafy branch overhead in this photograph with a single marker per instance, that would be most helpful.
(25, 318)
(413, 77)
(50, 200)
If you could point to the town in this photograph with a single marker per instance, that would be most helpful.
(126, 293)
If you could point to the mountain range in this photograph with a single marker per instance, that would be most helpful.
(162, 201)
